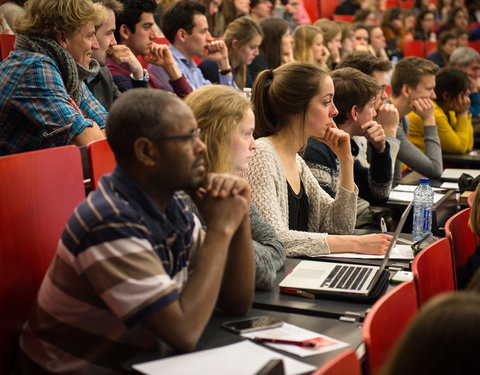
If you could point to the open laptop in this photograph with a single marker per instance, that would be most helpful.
(342, 280)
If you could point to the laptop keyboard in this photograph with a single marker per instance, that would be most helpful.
(347, 277)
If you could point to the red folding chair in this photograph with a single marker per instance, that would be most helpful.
(462, 240)
(414, 48)
(7, 42)
(38, 192)
(346, 363)
(386, 322)
(101, 160)
(433, 270)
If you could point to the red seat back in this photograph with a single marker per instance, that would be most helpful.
(345, 363)
(101, 160)
(433, 270)
(38, 192)
(430, 47)
(470, 199)
(327, 8)
(311, 6)
(343, 17)
(386, 322)
(7, 42)
(413, 48)
(462, 240)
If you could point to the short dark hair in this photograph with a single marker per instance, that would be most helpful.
(352, 88)
(254, 3)
(180, 16)
(131, 14)
(142, 112)
(365, 62)
(452, 81)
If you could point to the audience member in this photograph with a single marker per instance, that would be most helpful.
(44, 102)
(276, 48)
(133, 264)
(422, 6)
(215, 19)
(293, 103)
(8, 13)
(444, 7)
(361, 38)
(135, 29)
(261, 9)
(347, 38)
(457, 17)
(393, 31)
(243, 38)
(378, 42)
(413, 89)
(332, 38)
(226, 123)
(441, 339)
(308, 45)
(446, 44)
(408, 24)
(454, 122)
(365, 17)
(185, 26)
(468, 60)
(462, 36)
(356, 97)
(233, 9)
(348, 7)
(424, 26)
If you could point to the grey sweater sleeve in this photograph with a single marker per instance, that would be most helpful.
(268, 251)
(429, 163)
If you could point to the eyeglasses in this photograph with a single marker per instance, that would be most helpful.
(193, 136)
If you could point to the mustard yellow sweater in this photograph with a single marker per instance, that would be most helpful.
(456, 134)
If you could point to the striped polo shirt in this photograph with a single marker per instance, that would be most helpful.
(119, 260)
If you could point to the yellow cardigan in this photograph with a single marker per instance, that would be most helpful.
(456, 134)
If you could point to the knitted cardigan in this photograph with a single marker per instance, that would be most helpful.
(326, 215)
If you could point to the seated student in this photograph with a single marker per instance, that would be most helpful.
(226, 123)
(424, 26)
(133, 264)
(361, 38)
(413, 89)
(446, 44)
(243, 38)
(291, 104)
(332, 38)
(186, 28)
(261, 9)
(356, 96)
(470, 268)
(454, 122)
(468, 60)
(136, 29)
(308, 45)
(276, 47)
(43, 101)
(378, 42)
(441, 339)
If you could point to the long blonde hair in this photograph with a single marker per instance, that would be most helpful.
(243, 29)
(302, 47)
(218, 109)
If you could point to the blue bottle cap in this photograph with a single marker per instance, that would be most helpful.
(424, 180)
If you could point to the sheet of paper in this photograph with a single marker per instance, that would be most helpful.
(411, 188)
(405, 196)
(243, 358)
(294, 333)
(455, 173)
(398, 252)
(449, 185)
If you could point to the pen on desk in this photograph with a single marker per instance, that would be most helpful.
(297, 292)
(304, 344)
(383, 226)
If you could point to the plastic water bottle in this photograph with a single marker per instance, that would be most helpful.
(247, 91)
(422, 210)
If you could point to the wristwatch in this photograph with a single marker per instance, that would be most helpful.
(145, 78)
(225, 71)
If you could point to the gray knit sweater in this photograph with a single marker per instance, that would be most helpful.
(270, 196)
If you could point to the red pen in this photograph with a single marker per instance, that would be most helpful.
(298, 292)
(304, 344)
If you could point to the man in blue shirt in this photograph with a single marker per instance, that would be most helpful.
(186, 28)
(43, 100)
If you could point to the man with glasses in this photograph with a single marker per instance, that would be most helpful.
(43, 100)
(133, 265)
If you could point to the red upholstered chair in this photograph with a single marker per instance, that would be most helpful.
(462, 240)
(343, 17)
(475, 45)
(7, 42)
(433, 270)
(346, 363)
(311, 6)
(414, 48)
(38, 192)
(327, 8)
(430, 47)
(101, 160)
(386, 322)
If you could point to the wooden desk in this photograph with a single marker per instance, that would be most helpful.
(215, 336)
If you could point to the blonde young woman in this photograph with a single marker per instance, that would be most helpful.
(243, 38)
(332, 38)
(292, 103)
(226, 123)
(308, 45)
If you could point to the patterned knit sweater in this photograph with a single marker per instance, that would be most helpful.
(270, 196)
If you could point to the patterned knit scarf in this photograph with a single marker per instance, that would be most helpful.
(72, 73)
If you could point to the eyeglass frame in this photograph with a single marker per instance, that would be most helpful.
(194, 135)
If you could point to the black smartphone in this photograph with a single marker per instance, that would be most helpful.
(252, 324)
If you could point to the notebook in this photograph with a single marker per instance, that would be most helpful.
(342, 280)
(453, 174)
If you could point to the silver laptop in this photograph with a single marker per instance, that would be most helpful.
(337, 279)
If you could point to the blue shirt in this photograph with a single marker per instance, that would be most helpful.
(35, 108)
(189, 69)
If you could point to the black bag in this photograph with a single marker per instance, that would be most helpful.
(467, 183)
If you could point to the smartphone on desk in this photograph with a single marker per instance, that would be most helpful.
(257, 323)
